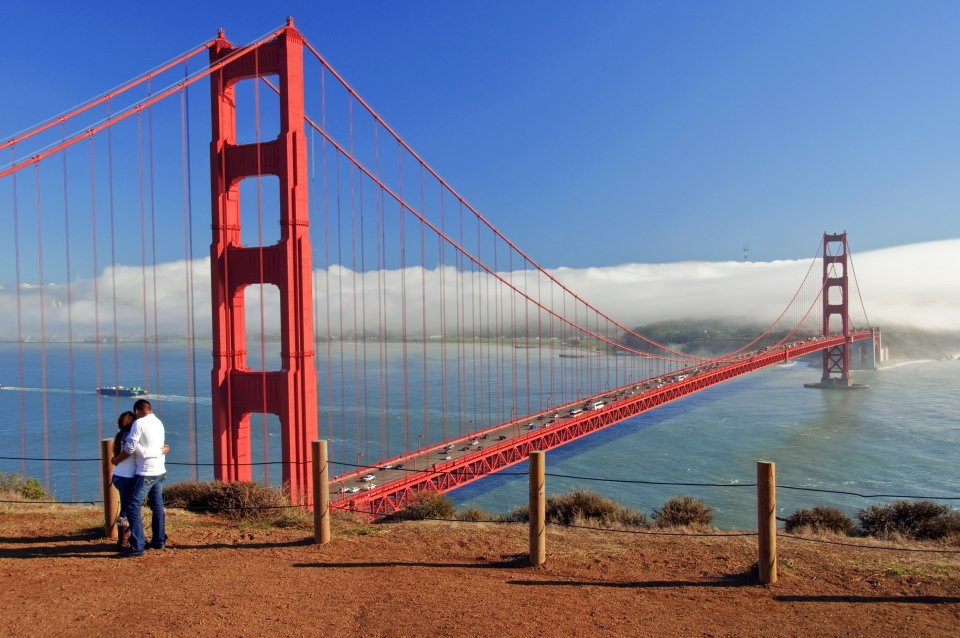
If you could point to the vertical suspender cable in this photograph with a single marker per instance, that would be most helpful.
(423, 313)
(16, 254)
(43, 330)
(153, 253)
(353, 268)
(363, 325)
(188, 290)
(70, 385)
(143, 252)
(96, 285)
(113, 262)
(381, 300)
(326, 261)
(340, 337)
(192, 315)
(444, 413)
(403, 309)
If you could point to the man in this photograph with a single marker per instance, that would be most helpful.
(146, 441)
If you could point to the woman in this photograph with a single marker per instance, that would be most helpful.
(124, 475)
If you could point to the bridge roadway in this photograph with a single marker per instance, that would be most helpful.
(445, 466)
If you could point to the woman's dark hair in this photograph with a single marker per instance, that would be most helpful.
(122, 431)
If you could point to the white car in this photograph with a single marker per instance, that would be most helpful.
(353, 489)
(387, 466)
(370, 486)
(368, 478)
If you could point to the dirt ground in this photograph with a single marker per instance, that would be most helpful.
(453, 579)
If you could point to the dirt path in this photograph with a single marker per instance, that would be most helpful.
(422, 579)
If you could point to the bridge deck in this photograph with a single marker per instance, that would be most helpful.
(451, 464)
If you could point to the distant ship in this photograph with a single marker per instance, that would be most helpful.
(572, 356)
(121, 391)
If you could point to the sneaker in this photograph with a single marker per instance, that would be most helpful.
(130, 553)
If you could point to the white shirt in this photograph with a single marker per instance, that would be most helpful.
(127, 468)
(146, 442)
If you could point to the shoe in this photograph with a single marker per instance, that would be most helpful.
(129, 553)
(156, 546)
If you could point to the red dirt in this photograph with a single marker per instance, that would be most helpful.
(421, 579)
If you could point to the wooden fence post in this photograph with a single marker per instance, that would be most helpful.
(321, 494)
(111, 498)
(538, 508)
(767, 522)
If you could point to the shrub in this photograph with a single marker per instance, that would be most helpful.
(474, 515)
(430, 506)
(242, 501)
(683, 511)
(586, 505)
(25, 487)
(919, 520)
(519, 514)
(820, 519)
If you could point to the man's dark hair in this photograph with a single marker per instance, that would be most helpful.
(141, 404)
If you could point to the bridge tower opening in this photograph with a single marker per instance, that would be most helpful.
(237, 391)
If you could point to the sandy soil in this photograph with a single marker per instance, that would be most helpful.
(453, 579)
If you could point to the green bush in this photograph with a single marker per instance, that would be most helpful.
(241, 501)
(919, 520)
(430, 506)
(25, 487)
(683, 511)
(820, 519)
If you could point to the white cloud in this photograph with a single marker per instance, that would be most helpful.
(915, 285)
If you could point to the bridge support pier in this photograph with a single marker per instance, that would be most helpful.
(237, 391)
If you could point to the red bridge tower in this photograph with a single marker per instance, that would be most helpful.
(291, 392)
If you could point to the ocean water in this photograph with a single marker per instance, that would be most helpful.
(902, 436)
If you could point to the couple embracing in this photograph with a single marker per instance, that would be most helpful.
(138, 475)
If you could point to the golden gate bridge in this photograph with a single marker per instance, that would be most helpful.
(447, 352)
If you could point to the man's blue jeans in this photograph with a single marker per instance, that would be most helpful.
(149, 488)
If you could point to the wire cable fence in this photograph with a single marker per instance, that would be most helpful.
(573, 477)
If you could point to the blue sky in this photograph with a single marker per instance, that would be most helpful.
(596, 134)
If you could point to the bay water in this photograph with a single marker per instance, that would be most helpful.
(900, 437)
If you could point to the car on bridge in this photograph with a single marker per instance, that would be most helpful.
(367, 478)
